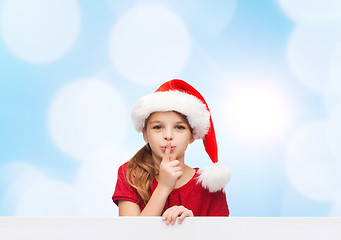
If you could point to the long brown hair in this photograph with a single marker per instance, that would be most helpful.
(141, 172)
(142, 169)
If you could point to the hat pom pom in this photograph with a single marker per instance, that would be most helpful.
(214, 177)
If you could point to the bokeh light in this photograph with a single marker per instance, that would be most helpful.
(40, 31)
(312, 10)
(96, 180)
(335, 70)
(310, 164)
(33, 193)
(205, 18)
(86, 117)
(256, 112)
(334, 132)
(335, 210)
(153, 41)
(310, 51)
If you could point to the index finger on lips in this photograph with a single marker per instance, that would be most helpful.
(167, 151)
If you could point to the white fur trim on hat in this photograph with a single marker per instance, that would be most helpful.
(214, 177)
(194, 109)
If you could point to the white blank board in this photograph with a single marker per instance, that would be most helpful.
(206, 228)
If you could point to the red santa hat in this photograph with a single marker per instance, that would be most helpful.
(177, 95)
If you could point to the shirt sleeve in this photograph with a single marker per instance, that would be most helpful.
(123, 191)
(218, 206)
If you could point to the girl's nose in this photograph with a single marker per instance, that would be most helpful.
(168, 135)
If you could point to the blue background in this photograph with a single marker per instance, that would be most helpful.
(267, 69)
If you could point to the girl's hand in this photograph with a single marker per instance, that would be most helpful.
(172, 213)
(170, 170)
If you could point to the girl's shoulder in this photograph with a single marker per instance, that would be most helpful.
(125, 172)
(124, 165)
(122, 170)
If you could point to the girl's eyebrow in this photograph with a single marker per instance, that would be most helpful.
(155, 121)
(158, 121)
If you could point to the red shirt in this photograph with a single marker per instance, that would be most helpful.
(191, 195)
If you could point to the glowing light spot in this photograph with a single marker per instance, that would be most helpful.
(20, 176)
(309, 52)
(335, 70)
(149, 45)
(312, 10)
(335, 210)
(256, 112)
(87, 117)
(40, 31)
(96, 181)
(209, 18)
(310, 165)
(32, 193)
(334, 132)
(47, 198)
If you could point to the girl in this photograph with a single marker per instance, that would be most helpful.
(156, 181)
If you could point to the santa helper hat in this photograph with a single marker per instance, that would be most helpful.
(177, 95)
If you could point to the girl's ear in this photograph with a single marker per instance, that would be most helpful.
(192, 139)
(145, 136)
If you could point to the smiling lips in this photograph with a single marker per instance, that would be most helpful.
(163, 148)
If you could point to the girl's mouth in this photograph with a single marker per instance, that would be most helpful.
(163, 148)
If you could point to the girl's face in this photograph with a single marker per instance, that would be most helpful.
(163, 127)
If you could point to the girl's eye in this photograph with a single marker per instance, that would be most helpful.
(157, 127)
(180, 127)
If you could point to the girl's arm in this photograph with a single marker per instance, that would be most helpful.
(154, 206)
(156, 202)
(127, 208)
(169, 173)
